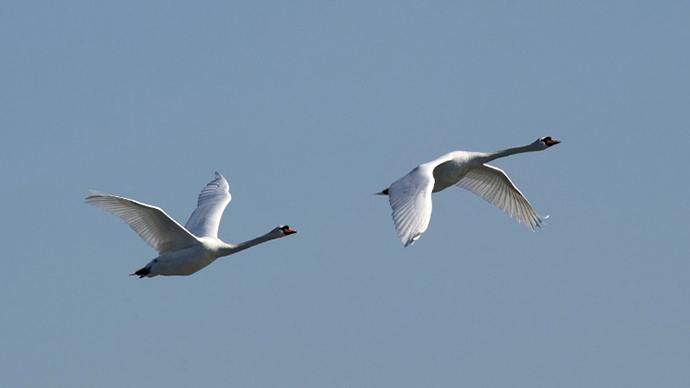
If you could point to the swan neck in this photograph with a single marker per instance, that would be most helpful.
(489, 156)
(229, 249)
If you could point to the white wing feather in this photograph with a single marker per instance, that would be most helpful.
(213, 199)
(493, 185)
(410, 198)
(151, 223)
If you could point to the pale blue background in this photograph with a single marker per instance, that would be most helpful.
(308, 108)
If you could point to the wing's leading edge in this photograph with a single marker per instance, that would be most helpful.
(151, 223)
(213, 199)
(492, 184)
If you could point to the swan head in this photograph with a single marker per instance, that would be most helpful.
(283, 230)
(545, 142)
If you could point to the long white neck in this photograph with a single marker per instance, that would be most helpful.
(229, 249)
(489, 156)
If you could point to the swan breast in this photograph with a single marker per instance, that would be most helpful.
(451, 168)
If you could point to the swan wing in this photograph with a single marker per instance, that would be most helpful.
(151, 223)
(410, 199)
(493, 185)
(213, 199)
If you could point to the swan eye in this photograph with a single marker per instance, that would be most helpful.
(545, 139)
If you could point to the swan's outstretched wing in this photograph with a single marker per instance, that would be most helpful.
(213, 199)
(410, 198)
(150, 222)
(493, 185)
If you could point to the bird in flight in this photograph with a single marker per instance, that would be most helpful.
(410, 196)
(182, 250)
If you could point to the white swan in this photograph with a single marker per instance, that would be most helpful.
(410, 196)
(182, 251)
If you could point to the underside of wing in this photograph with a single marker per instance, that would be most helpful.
(151, 223)
(410, 199)
(213, 199)
(493, 185)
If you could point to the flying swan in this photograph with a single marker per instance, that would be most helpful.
(410, 196)
(182, 250)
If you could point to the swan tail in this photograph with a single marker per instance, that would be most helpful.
(143, 272)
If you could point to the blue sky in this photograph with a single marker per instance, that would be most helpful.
(308, 108)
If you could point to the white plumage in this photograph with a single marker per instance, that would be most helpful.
(410, 196)
(182, 250)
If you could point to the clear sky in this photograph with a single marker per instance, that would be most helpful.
(308, 108)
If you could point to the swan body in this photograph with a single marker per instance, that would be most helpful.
(410, 196)
(182, 250)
